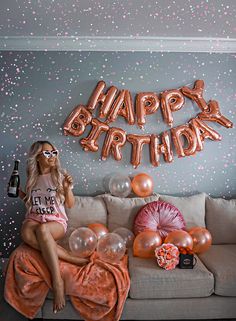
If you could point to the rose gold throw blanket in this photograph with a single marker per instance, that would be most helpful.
(97, 290)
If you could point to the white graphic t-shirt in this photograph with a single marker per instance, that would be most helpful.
(44, 200)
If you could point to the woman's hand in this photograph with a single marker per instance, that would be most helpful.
(67, 182)
(68, 186)
(21, 194)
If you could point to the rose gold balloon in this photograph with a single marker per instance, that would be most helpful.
(77, 121)
(142, 185)
(180, 238)
(171, 100)
(196, 94)
(122, 106)
(115, 139)
(90, 142)
(146, 103)
(203, 131)
(157, 148)
(145, 244)
(137, 142)
(189, 134)
(99, 229)
(201, 239)
(213, 114)
(106, 100)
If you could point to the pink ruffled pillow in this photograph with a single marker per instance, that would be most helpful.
(159, 216)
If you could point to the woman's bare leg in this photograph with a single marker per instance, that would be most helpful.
(42, 237)
(28, 235)
(48, 249)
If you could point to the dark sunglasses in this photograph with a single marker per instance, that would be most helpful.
(49, 154)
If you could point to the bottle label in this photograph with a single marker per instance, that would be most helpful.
(12, 190)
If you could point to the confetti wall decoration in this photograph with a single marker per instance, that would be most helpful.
(146, 18)
(39, 89)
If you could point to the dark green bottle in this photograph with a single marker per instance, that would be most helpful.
(14, 182)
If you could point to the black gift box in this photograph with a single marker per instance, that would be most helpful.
(186, 261)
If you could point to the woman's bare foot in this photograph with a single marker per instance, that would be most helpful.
(59, 296)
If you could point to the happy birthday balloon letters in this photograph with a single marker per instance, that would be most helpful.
(187, 139)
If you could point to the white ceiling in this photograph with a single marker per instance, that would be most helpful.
(118, 25)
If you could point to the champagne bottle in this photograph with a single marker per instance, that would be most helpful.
(14, 182)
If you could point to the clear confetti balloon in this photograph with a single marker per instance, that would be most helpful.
(111, 247)
(120, 185)
(126, 234)
(82, 242)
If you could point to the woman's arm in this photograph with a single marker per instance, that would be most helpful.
(69, 198)
(68, 193)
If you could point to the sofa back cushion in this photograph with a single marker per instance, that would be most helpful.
(87, 210)
(221, 220)
(122, 211)
(191, 207)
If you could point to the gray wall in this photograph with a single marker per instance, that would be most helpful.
(39, 90)
(146, 18)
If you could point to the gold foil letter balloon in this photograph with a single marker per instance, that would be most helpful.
(146, 103)
(196, 94)
(171, 100)
(77, 121)
(137, 142)
(106, 100)
(189, 134)
(115, 139)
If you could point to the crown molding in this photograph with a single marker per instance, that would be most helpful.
(150, 44)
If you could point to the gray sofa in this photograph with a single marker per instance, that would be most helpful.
(208, 291)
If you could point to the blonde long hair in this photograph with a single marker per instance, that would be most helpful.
(32, 170)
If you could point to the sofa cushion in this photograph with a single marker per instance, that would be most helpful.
(149, 281)
(221, 261)
(191, 207)
(87, 210)
(221, 220)
(122, 211)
